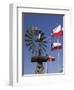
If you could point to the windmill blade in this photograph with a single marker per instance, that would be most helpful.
(36, 52)
(28, 44)
(31, 46)
(41, 51)
(28, 36)
(28, 40)
(44, 45)
(33, 50)
(43, 48)
(42, 33)
(43, 38)
(29, 31)
(44, 41)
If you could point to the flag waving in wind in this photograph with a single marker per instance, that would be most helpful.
(57, 31)
(56, 45)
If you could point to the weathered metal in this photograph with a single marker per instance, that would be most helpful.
(39, 59)
(42, 58)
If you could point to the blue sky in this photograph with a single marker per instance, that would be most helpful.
(46, 22)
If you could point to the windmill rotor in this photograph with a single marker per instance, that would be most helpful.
(35, 40)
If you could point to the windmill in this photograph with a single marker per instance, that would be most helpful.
(36, 42)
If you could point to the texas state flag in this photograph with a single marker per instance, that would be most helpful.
(51, 58)
(56, 45)
(57, 31)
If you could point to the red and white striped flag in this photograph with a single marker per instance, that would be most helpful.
(51, 58)
(57, 31)
(56, 45)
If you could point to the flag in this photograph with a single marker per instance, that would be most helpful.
(57, 31)
(51, 58)
(56, 45)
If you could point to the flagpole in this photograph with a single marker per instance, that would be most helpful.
(58, 55)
